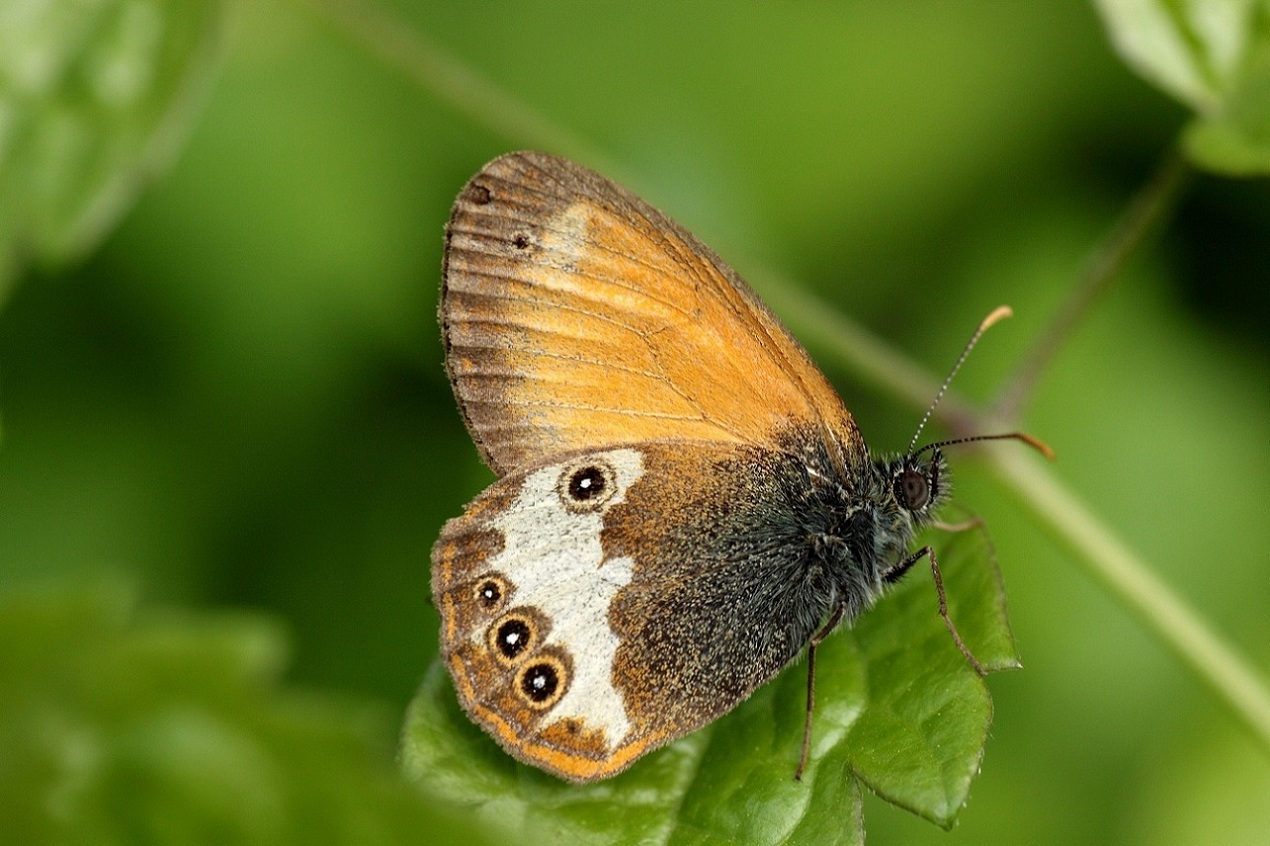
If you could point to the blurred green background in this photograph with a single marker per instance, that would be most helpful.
(238, 400)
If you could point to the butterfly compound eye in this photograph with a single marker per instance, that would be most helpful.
(913, 489)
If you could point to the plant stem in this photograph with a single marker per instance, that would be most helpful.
(869, 358)
(1139, 218)
(1130, 580)
(447, 78)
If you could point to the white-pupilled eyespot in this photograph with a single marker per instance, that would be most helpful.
(491, 591)
(587, 485)
(512, 636)
(541, 683)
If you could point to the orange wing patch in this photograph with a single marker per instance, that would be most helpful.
(576, 315)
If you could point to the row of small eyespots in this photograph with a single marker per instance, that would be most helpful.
(511, 637)
(585, 486)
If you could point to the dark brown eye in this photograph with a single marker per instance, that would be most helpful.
(913, 489)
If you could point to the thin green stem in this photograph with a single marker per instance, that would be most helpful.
(447, 78)
(1125, 575)
(869, 359)
(1140, 217)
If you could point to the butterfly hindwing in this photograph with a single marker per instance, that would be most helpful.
(605, 603)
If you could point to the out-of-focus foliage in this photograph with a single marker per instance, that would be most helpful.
(170, 730)
(236, 399)
(1214, 56)
(94, 99)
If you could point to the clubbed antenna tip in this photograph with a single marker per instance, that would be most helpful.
(997, 314)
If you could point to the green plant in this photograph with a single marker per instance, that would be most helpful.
(189, 421)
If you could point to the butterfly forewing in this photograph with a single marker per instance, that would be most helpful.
(575, 315)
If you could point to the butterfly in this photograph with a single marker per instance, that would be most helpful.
(683, 502)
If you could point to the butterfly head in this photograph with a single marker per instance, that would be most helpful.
(919, 483)
(865, 526)
(902, 495)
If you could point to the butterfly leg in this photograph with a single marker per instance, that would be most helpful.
(903, 567)
(816, 640)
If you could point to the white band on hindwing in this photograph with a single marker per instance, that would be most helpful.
(554, 557)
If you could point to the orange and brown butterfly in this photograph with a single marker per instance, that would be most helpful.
(683, 502)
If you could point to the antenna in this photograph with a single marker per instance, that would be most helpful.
(1034, 442)
(998, 314)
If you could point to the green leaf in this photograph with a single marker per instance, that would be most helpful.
(1191, 49)
(170, 730)
(920, 742)
(896, 702)
(1212, 55)
(94, 99)
(1236, 142)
